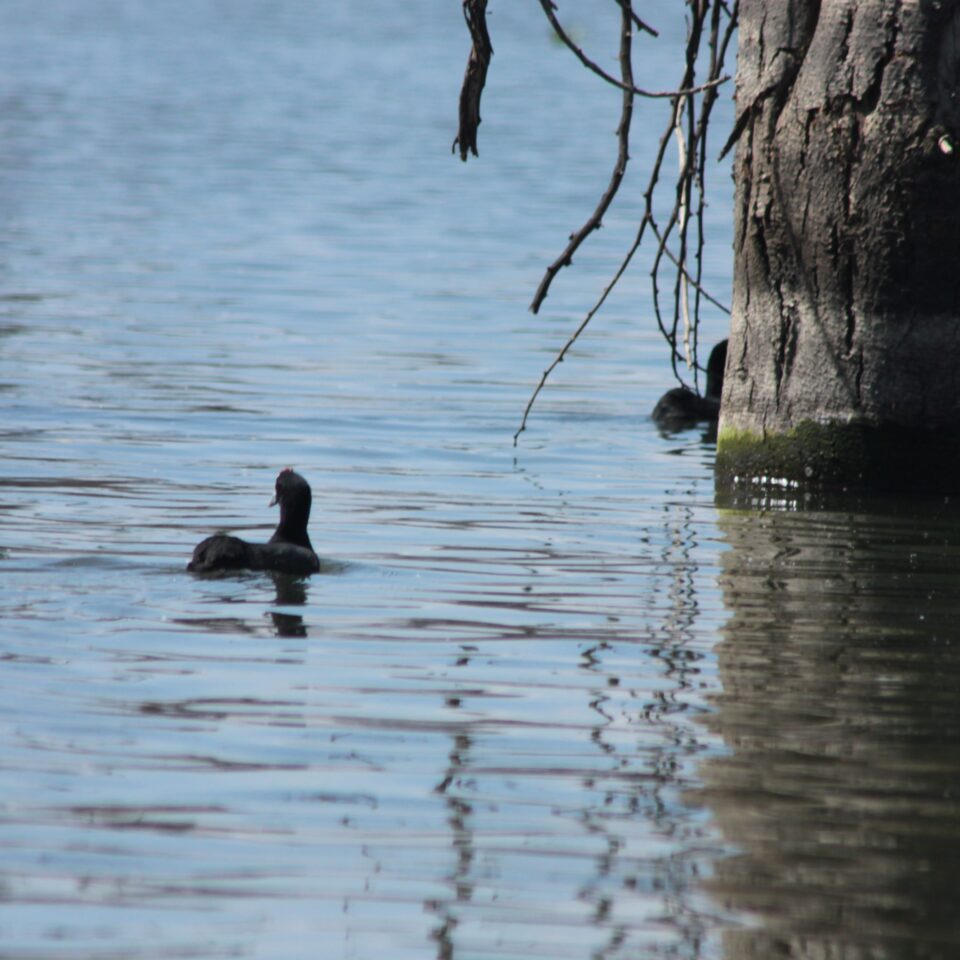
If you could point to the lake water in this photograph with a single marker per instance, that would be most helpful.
(553, 701)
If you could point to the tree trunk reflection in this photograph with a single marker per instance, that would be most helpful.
(840, 667)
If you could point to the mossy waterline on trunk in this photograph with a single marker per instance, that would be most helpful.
(855, 455)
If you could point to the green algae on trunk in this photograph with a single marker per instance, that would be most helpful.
(888, 457)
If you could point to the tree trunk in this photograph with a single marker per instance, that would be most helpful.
(844, 355)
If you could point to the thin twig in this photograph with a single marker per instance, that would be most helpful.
(681, 299)
(558, 359)
(637, 21)
(701, 175)
(620, 167)
(623, 156)
(643, 26)
(549, 7)
(693, 281)
(594, 222)
(690, 178)
(685, 174)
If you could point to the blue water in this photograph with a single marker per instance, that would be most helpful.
(499, 723)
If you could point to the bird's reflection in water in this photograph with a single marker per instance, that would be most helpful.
(291, 592)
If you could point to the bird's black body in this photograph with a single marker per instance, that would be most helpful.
(681, 407)
(289, 549)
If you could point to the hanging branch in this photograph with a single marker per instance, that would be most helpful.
(475, 13)
(712, 25)
(690, 178)
(549, 7)
(623, 156)
(620, 167)
(592, 312)
(716, 63)
(679, 218)
(692, 163)
(626, 85)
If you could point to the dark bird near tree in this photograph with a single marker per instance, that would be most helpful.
(682, 407)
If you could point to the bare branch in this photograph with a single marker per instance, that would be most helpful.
(619, 169)
(688, 121)
(641, 25)
(623, 157)
(559, 358)
(475, 13)
(594, 222)
(690, 177)
(683, 91)
(693, 281)
(549, 7)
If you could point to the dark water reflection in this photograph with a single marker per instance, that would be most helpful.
(290, 592)
(840, 672)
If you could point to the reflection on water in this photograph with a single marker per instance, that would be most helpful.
(291, 591)
(471, 740)
(840, 667)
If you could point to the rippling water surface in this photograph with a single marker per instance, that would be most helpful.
(547, 701)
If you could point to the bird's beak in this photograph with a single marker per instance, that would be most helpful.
(273, 501)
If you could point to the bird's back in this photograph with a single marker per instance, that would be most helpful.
(221, 552)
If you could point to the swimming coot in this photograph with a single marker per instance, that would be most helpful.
(681, 405)
(289, 549)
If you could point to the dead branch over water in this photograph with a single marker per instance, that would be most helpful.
(680, 235)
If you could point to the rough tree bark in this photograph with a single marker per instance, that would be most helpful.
(844, 355)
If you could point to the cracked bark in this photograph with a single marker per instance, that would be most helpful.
(846, 278)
